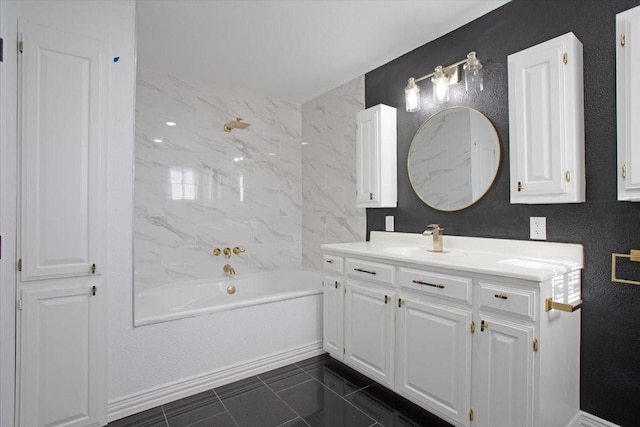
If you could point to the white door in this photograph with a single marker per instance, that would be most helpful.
(433, 365)
(62, 348)
(503, 374)
(369, 331)
(368, 157)
(61, 335)
(628, 93)
(333, 317)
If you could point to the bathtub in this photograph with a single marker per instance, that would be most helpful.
(196, 298)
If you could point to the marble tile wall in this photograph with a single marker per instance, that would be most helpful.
(329, 213)
(198, 187)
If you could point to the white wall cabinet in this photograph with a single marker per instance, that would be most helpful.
(61, 324)
(628, 103)
(546, 123)
(473, 348)
(376, 154)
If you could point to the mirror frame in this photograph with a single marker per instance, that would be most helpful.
(495, 171)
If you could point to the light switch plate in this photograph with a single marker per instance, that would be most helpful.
(388, 223)
(538, 228)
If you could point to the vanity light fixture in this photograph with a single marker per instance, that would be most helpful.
(441, 78)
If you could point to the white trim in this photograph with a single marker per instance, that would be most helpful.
(584, 419)
(150, 398)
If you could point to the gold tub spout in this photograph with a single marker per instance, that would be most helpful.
(229, 270)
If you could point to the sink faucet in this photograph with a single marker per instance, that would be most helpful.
(229, 270)
(435, 231)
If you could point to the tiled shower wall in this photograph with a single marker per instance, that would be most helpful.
(201, 187)
(329, 213)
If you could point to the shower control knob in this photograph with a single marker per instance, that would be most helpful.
(217, 251)
(227, 252)
(238, 250)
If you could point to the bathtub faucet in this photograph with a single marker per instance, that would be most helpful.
(229, 270)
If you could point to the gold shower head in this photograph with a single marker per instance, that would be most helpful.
(236, 124)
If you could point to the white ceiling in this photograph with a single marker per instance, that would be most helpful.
(290, 50)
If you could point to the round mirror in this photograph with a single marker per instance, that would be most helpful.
(453, 158)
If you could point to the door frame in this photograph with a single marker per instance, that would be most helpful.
(8, 209)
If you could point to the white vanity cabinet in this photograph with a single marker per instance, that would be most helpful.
(628, 103)
(546, 123)
(376, 168)
(467, 335)
(369, 319)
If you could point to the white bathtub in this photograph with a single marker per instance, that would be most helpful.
(188, 299)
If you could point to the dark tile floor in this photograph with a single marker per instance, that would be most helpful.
(315, 392)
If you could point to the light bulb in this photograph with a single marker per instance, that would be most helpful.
(412, 96)
(473, 73)
(440, 86)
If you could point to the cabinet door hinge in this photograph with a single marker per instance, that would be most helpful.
(565, 58)
(624, 171)
(473, 327)
(470, 414)
(535, 344)
(20, 46)
(20, 304)
(623, 40)
(567, 176)
(20, 265)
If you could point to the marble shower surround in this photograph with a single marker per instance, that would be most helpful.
(201, 187)
(329, 213)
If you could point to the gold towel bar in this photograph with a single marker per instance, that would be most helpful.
(550, 304)
(633, 255)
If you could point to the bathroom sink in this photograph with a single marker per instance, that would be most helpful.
(420, 252)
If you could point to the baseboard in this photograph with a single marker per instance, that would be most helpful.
(150, 398)
(584, 419)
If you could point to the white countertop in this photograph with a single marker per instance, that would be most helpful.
(521, 259)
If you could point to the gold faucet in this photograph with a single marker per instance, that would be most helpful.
(229, 270)
(435, 231)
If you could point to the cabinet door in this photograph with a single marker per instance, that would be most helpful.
(503, 374)
(368, 157)
(546, 123)
(369, 331)
(63, 128)
(333, 317)
(62, 356)
(433, 365)
(628, 94)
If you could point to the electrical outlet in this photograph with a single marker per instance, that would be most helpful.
(538, 228)
(388, 223)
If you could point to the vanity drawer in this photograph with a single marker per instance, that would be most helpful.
(333, 263)
(509, 300)
(370, 270)
(443, 285)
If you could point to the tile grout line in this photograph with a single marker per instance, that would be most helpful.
(358, 390)
(283, 401)
(225, 407)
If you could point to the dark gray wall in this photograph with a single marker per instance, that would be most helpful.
(610, 381)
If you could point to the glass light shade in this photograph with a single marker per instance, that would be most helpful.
(440, 86)
(412, 96)
(473, 73)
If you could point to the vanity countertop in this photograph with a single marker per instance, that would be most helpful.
(521, 259)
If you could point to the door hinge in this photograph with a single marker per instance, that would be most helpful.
(535, 344)
(565, 58)
(623, 40)
(20, 304)
(624, 171)
(20, 265)
(20, 46)
(567, 176)
(470, 414)
(473, 327)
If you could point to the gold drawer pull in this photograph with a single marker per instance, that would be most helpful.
(386, 299)
(337, 284)
(364, 271)
(435, 285)
(501, 295)
(484, 325)
(550, 304)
